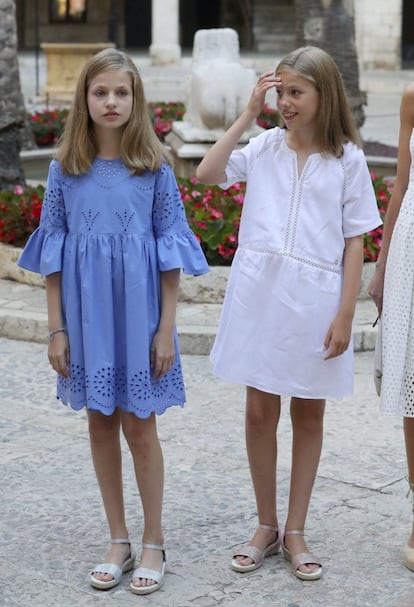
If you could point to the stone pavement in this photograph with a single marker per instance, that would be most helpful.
(53, 528)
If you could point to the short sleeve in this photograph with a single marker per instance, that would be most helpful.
(177, 245)
(242, 161)
(360, 207)
(44, 249)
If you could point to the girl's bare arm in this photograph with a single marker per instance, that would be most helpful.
(376, 286)
(211, 169)
(339, 334)
(162, 348)
(58, 348)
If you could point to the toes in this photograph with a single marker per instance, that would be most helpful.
(244, 560)
(102, 577)
(311, 568)
(139, 582)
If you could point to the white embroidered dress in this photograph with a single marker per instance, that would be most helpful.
(397, 388)
(286, 279)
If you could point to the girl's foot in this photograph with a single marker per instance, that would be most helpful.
(118, 554)
(265, 537)
(408, 552)
(295, 549)
(120, 559)
(152, 559)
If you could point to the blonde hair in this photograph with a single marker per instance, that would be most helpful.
(335, 122)
(140, 147)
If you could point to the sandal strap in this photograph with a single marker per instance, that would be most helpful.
(294, 532)
(148, 574)
(268, 527)
(251, 552)
(154, 547)
(121, 541)
(305, 558)
(108, 568)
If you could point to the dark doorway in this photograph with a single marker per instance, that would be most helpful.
(137, 23)
(195, 15)
(407, 50)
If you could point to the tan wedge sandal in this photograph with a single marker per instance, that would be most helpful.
(303, 558)
(256, 554)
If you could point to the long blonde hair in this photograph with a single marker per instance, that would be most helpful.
(335, 123)
(140, 147)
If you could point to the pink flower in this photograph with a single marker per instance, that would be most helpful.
(18, 190)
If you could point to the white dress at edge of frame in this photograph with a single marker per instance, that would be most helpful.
(285, 283)
(397, 388)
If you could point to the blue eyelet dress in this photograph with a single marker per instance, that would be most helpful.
(110, 234)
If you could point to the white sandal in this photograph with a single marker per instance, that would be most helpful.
(150, 574)
(113, 569)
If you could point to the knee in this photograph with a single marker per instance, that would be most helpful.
(140, 435)
(102, 428)
(260, 417)
(308, 419)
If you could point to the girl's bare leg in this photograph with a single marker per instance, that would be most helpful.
(104, 432)
(262, 417)
(143, 442)
(307, 428)
(409, 448)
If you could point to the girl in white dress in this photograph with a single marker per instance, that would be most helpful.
(286, 323)
(392, 290)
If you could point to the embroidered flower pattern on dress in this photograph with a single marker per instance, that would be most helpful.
(104, 382)
(168, 210)
(108, 168)
(139, 385)
(89, 218)
(125, 219)
(53, 211)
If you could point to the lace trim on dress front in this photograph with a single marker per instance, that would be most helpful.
(307, 262)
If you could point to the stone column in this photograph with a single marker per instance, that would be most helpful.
(165, 48)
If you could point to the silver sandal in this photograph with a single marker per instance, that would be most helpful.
(150, 574)
(113, 569)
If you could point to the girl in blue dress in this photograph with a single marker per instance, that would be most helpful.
(112, 239)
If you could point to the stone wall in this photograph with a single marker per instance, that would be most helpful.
(378, 28)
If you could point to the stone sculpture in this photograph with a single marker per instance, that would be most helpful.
(219, 87)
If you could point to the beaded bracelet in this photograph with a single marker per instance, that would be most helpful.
(52, 333)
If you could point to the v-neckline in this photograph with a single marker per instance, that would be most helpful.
(295, 154)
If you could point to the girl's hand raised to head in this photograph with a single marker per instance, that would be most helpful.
(265, 83)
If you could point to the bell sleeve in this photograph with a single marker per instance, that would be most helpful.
(177, 245)
(43, 251)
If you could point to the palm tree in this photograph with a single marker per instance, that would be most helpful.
(12, 109)
(330, 25)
